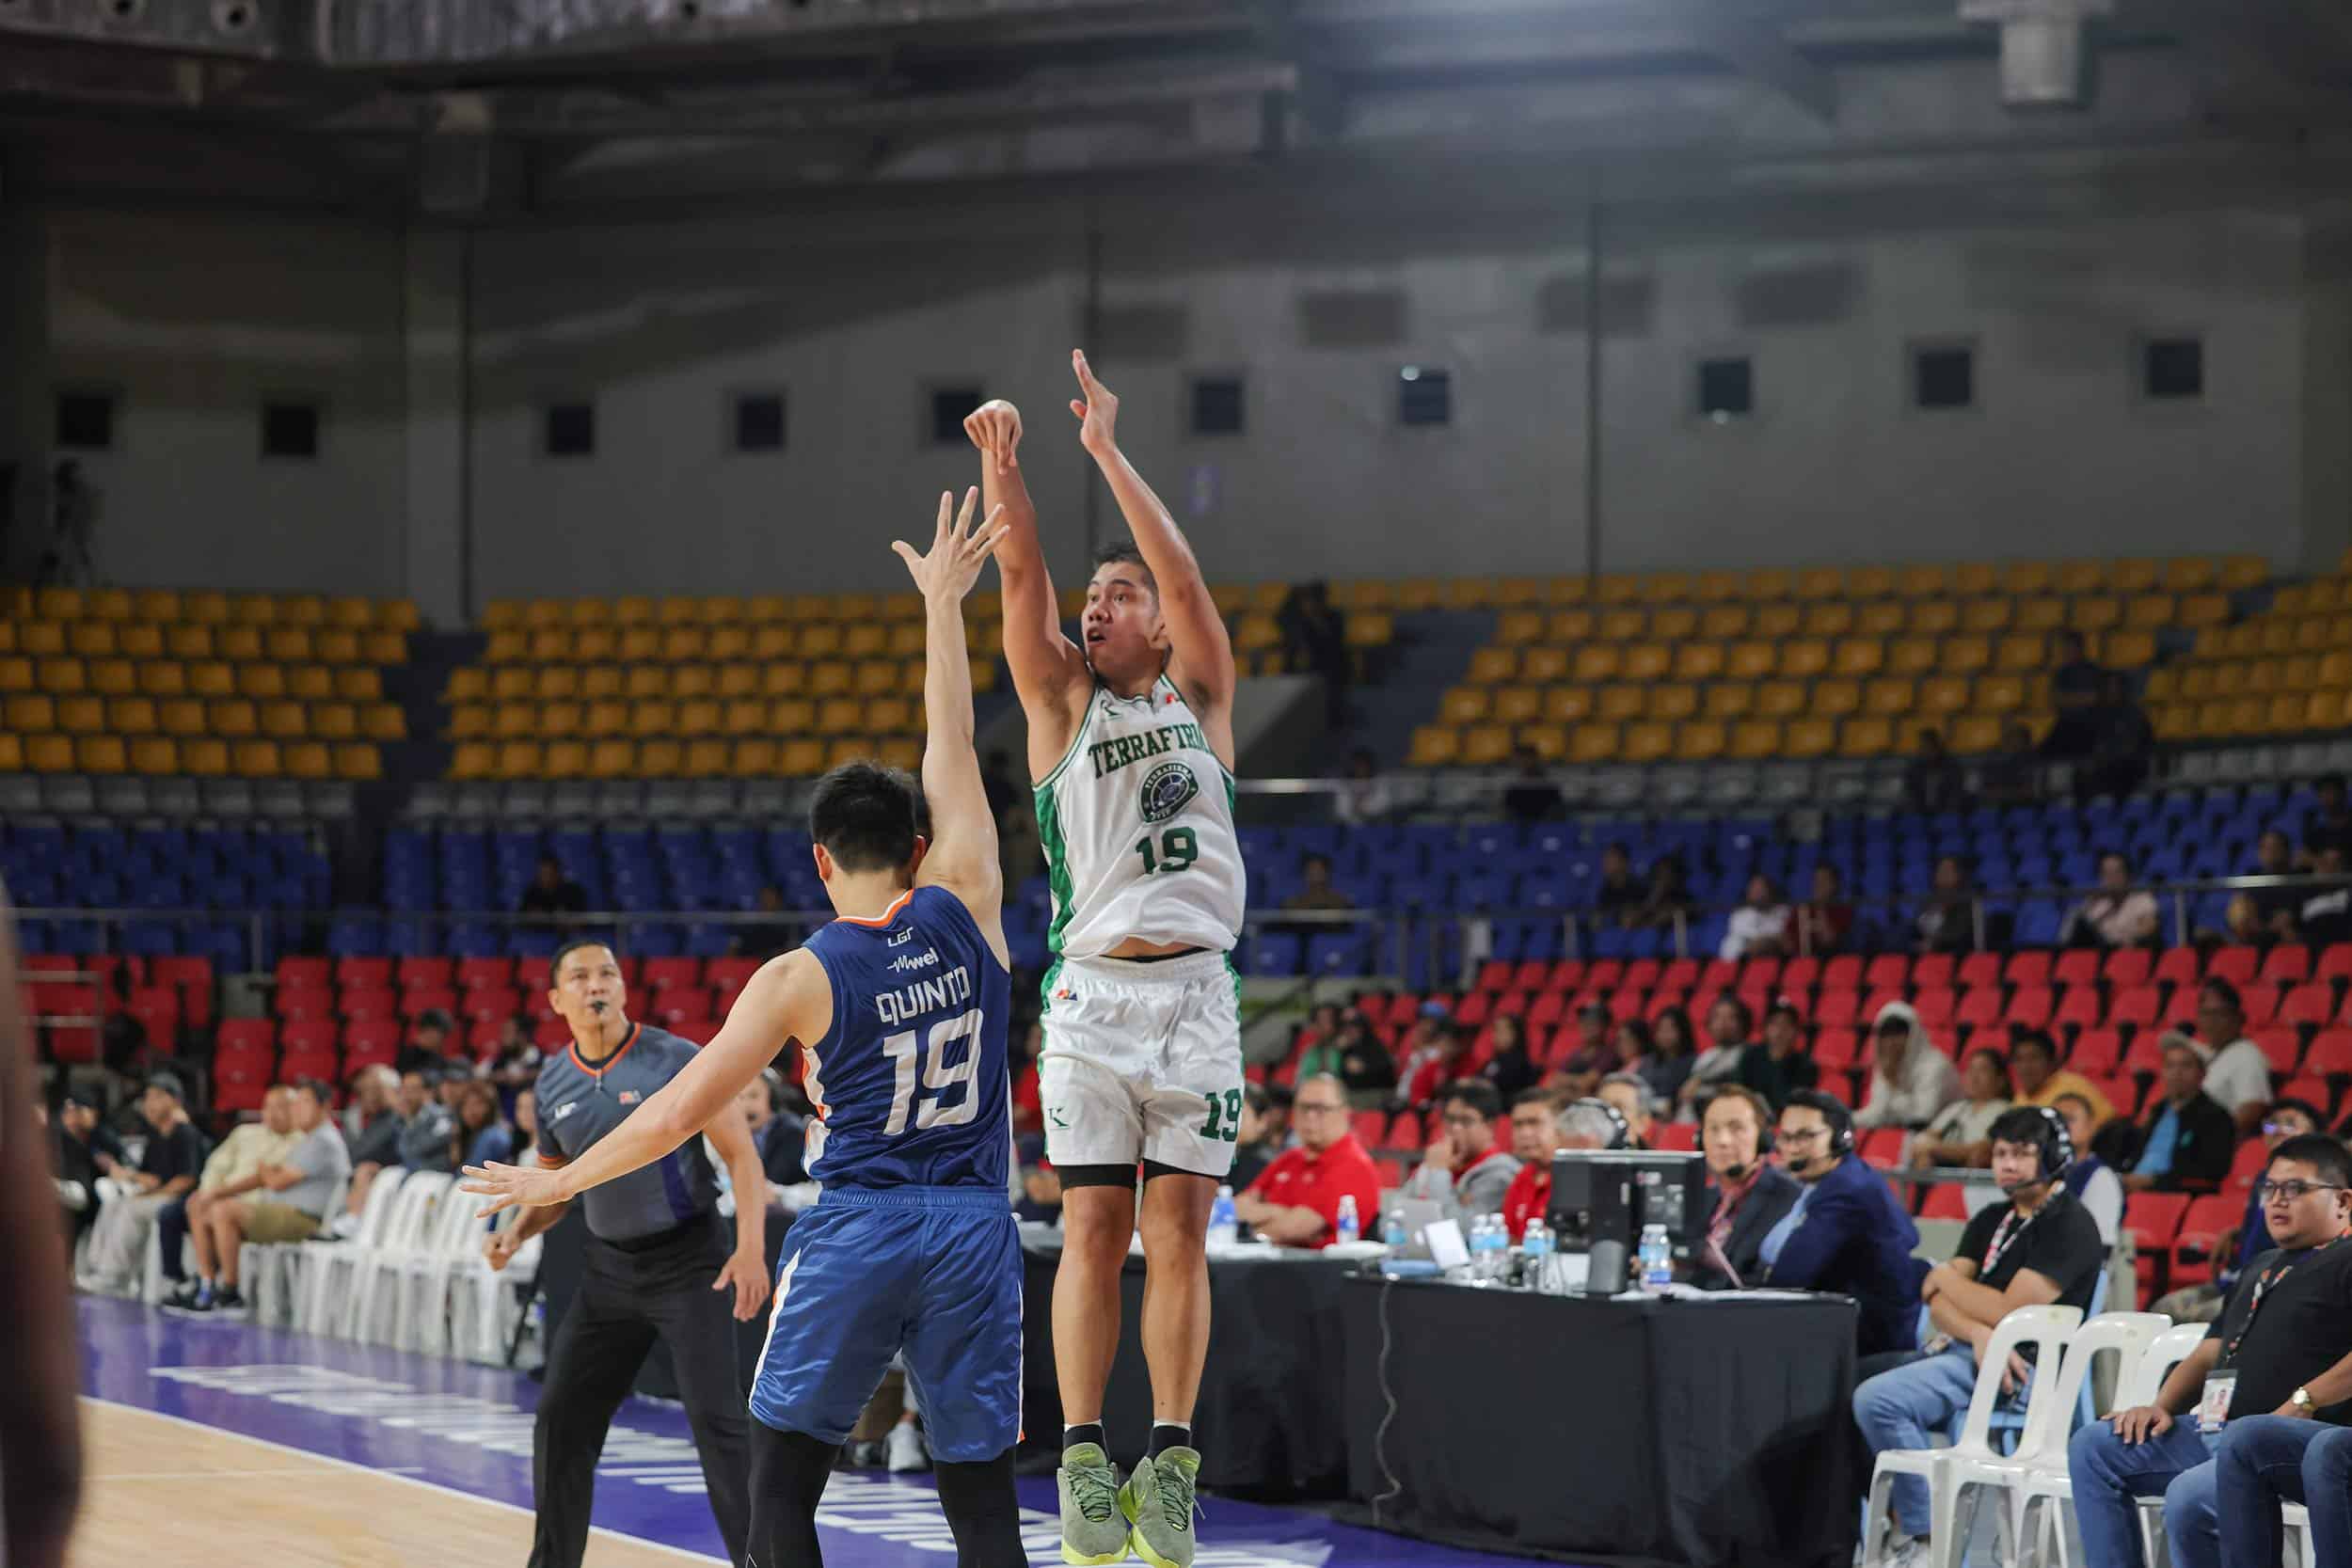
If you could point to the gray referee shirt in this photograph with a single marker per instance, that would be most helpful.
(578, 1104)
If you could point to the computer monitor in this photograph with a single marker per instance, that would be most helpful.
(1606, 1195)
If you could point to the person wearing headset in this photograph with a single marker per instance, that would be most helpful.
(2041, 1247)
(1542, 1124)
(1748, 1194)
(1845, 1233)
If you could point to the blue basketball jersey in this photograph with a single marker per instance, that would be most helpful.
(910, 1083)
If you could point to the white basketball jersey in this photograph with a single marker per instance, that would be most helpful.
(1137, 825)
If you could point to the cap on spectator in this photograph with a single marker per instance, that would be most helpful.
(1434, 1009)
(170, 1085)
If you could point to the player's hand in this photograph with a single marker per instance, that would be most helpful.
(957, 549)
(498, 1248)
(2142, 1423)
(514, 1186)
(994, 427)
(1097, 413)
(749, 1276)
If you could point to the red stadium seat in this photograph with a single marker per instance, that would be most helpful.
(183, 972)
(486, 972)
(2122, 1091)
(2146, 1056)
(531, 975)
(71, 1044)
(1604, 974)
(1643, 974)
(1836, 1050)
(2153, 1220)
(372, 973)
(1493, 974)
(1511, 1004)
(2029, 968)
(490, 1002)
(1980, 970)
(2315, 1092)
(1405, 1134)
(2078, 967)
(1369, 1127)
(304, 1002)
(551, 1034)
(1837, 1009)
(1765, 973)
(357, 1001)
(1935, 1009)
(2179, 966)
(1888, 972)
(1719, 975)
(1981, 1009)
(2237, 965)
(1566, 975)
(2261, 1001)
(1882, 1147)
(2128, 966)
(2097, 1052)
(1934, 969)
(2030, 1007)
(2287, 964)
(424, 999)
(1842, 973)
(730, 975)
(1683, 974)
(1673, 1137)
(239, 1086)
(303, 973)
(321, 1065)
(2252, 1158)
(2313, 1003)
(2079, 1008)
(2335, 963)
(2140, 1005)
(2282, 1045)
(2330, 1054)
(1475, 1009)
(1546, 1012)
(426, 970)
(1946, 1200)
(1799, 976)
(664, 973)
(2207, 1220)
(309, 1034)
(1530, 976)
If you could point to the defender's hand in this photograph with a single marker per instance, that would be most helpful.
(994, 427)
(957, 549)
(514, 1186)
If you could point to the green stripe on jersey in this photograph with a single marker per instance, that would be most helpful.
(1057, 847)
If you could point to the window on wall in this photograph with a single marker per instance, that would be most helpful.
(2172, 369)
(1943, 376)
(86, 421)
(570, 430)
(1424, 396)
(1216, 406)
(759, 421)
(1726, 389)
(289, 428)
(949, 404)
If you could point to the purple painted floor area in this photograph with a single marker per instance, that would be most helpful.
(468, 1427)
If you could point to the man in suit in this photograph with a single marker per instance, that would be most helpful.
(1749, 1193)
(2188, 1140)
(1845, 1233)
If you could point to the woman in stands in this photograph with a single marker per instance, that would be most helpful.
(1509, 1069)
(480, 1136)
(1672, 1046)
(1963, 1134)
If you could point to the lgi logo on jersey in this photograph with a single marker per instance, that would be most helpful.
(1167, 790)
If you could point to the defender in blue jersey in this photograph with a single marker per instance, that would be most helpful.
(899, 1009)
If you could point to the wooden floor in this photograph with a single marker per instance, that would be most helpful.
(160, 1493)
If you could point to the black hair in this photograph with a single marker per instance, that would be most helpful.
(2319, 1152)
(316, 1089)
(1281, 1095)
(1834, 1110)
(2220, 987)
(1783, 1008)
(867, 815)
(555, 962)
(2000, 1065)
(2111, 854)
(2039, 1038)
(2022, 1124)
(1476, 1093)
(170, 1085)
(2088, 1109)
(1683, 1030)
(1747, 1014)
(1322, 860)
(1255, 1097)
(2290, 1104)
(1547, 1099)
(1124, 552)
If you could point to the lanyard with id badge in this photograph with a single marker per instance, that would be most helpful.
(2213, 1405)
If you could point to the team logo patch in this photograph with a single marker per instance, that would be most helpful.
(1167, 790)
(630, 1097)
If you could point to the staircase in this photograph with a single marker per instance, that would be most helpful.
(1432, 652)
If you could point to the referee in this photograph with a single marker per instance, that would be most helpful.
(655, 1259)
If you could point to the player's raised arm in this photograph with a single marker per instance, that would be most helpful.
(788, 999)
(1048, 670)
(1204, 650)
(962, 855)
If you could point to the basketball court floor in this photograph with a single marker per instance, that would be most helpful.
(218, 1443)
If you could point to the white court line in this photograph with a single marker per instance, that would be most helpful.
(229, 1475)
(679, 1552)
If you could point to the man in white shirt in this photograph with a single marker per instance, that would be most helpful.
(2236, 1072)
(1913, 1080)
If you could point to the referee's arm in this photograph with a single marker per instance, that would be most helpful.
(788, 999)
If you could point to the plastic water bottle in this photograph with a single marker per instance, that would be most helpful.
(1392, 1230)
(1534, 1248)
(1658, 1260)
(1224, 1225)
(1350, 1227)
(1490, 1248)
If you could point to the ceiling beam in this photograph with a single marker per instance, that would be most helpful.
(1758, 50)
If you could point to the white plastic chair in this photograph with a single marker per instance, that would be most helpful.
(483, 1305)
(328, 1265)
(421, 1316)
(2048, 1426)
(272, 1271)
(2045, 1328)
(2298, 1520)
(376, 1278)
(2053, 1488)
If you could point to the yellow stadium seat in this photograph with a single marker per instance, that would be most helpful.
(1561, 591)
(2078, 577)
(184, 717)
(260, 759)
(753, 759)
(877, 678)
(556, 683)
(1729, 702)
(1923, 582)
(1934, 617)
(1466, 704)
(1646, 661)
(526, 721)
(549, 646)
(1966, 655)
(2328, 711)
(1986, 617)
(612, 759)
(1715, 587)
(1666, 587)
(209, 607)
(1674, 625)
(585, 644)
(560, 759)
(691, 680)
(1593, 742)
(1645, 742)
(1890, 696)
(1494, 666)
(113, 677)
(2017, 653)
(1616, 588)
(645, 681)
(1754, 740)
(1804, 659)
(785, 680)
(1975, 732)
(892, 716)
(2191, 574)
(1374, 629)
(1412, 596)
(2173, 720)
(698, 717)
(308, 759)
(1998, 694)
(473, 760)
(1698, 661)
(334, 722)
(309, 683)
(262, 681)
(287, 645)
(1726, 623)
(2163, 685)
(743, 716)
(1858, 657)
(1486, 746)
(983, 676)
(1828, 619)
(601, 681)
(16, 673)
(1870, 582)
(1751, 660)
(906, 641)
(2127, 650)
(1597, 662)
(2150, 611)
(1516, 705)
(163, 677)
(1772, 582)
(1672, 702)
(763, 608)
(28, 712)
(552, 612)
(706, 759)
(156, 605)
(638, 644)
(59, 604)
(737, 680)
(1942, 695)
(2096, 613)
(212, 678)
(801, 757)
(1622, 625)
(1973, 578)
(1820, 582)
(1867, 736)
(187, 641)
(1370, 594)
(790, 716)
(239, 642)
(82, 715)
(2041, 616)
(1541, 666)
(2273, 636)
(1807, 738)
(511, 684)
(61, 676)
(821, 641)
(2242, 571)
(153, 754)
(1435, 746)
(1776, 620)
(2025, 577)
(42, 637)
(2133, 575)
(1510, 592)
(358, 614)
(131, 714)
(1571, 625)
(1879, 618)
(2285, 713)
(49, 754)
(1700, 740)
(1779, 699)
(101, 753)
(383, 721)
(2313, 633)
(1835, 698)
(92, 638)
(1231, 598)
(512, 647)
(1617, 703)
(652, 718)
(302, 610)
(1567, 705)
(204, 755)
(2263, 675)
(841, 716)
(1548, 742)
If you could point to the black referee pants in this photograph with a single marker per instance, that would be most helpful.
(629, 1294)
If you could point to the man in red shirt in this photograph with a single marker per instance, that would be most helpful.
(1295, 1200)
(1542, 1124)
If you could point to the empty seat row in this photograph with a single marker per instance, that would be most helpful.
(204, 757)
(189, 641)
(207, 606)
(672, 759)
(1695, 740)
(227, 718)
(656, 720)
(647, 681)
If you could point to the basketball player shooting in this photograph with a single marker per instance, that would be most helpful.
(1131, 746)
(899, 1007)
